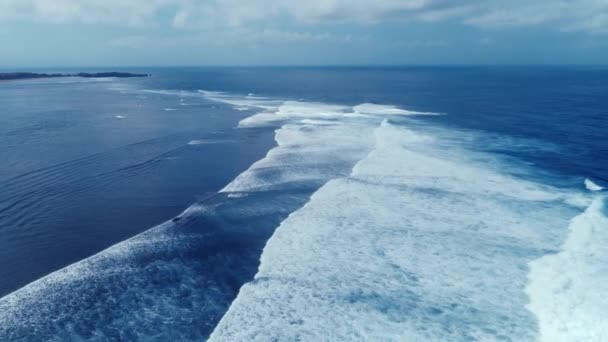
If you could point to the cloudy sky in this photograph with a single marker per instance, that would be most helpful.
(303, 32)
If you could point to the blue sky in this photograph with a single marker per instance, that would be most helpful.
(306, 32)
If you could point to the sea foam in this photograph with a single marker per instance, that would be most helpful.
(423, 241)
(568, 290)
(175, 281)
(591, 186)
(394, 233)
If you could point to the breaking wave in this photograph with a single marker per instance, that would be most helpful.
(386, 230)
(567, 290)
(422, 241)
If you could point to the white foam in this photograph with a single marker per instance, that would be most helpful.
(421, 242)
(276, 112)
(170, 109)
(428, 165)
(568, 290)
(319, 122)
(377, 109)
(261, 120)
(591, 186)
(169, 283)
(306, 154)
(209, 141)
(295, 110)
(237, 195)
(157, 282)
(120, 117)
(249, 102)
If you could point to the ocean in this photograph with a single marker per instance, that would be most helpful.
(306, 203)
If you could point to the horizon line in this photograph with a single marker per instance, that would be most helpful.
(3, 68)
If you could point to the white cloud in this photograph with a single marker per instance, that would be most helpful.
(240, 12)
(237, 36)
(514, 17)
(129, 12)
(568, 15)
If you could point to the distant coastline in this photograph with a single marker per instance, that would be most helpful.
(30, 75)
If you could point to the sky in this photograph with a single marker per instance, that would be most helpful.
(304, 32)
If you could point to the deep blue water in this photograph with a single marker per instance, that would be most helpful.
(86, 165)
(77, 179)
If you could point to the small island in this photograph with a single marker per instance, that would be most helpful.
(31, 75)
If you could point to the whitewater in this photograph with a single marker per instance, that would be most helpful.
(361, 224)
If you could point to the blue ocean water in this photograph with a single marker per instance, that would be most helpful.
(429, 203)
(87, 164)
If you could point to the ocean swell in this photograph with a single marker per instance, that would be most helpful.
(175, 281)
(424, 241)
(385, 232)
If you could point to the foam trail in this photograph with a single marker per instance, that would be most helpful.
(210, 141)
(247, 102)
(276, 113)
(407, 236)
(377, 109)
(568, 290)
(319, 122)
(175, 281)
(172, 282)
(591, 186)
(421, 242)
